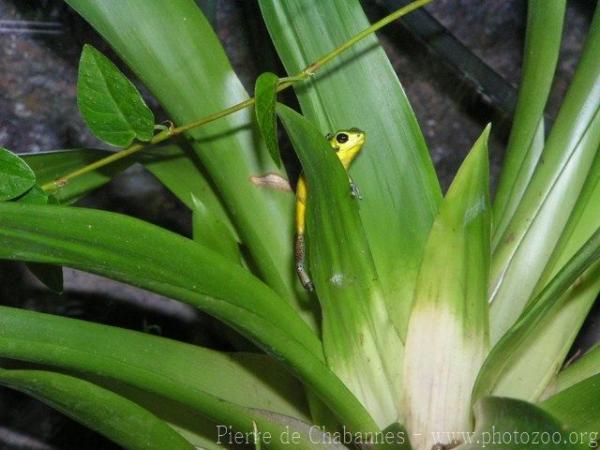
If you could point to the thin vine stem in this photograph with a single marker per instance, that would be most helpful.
(285, 83)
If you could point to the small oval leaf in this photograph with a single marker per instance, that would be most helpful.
(110, 104)
(265, 93)
(16, 177)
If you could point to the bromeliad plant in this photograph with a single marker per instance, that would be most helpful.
(442, 322)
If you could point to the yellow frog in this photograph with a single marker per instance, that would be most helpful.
(347, 144)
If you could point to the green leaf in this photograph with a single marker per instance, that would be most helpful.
(170, 164)
(508, 424)
(399, 440)
(177, 170)
(206, 434)
(194, 427)
(265, 93)
(192, 375)
(357, 331)
(361, 89)
(495, 376)
(51, 276)
(50, 166)
(577, 406)
(542, 46)
(448, 334)
(550, 197)
(117, 418)
(34, 196)
(16, 177)
(536, 366)
(228, 389)
(586, 366)
(165, 34)
(110, 104)
(116, 246)
(210, 231)
(180, 172)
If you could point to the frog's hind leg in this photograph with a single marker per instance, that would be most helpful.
(300, 263)
(354, 190)
(300, 247)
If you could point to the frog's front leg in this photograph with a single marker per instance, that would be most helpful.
(354, 191)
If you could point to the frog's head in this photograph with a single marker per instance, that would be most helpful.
(345, 139)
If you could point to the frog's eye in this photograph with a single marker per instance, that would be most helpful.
(342, 138)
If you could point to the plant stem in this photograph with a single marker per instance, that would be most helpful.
(311, 69)
(284, 83)
(60, 182)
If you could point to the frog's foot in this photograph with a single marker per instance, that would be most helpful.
(354, 191)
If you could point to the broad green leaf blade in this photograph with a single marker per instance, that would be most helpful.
(53, 164)
(307, 435)
(360, 89)
(210, 231)
(495, 376)
(194, 427)
(508, 424)
(586, 366)
(551, 195)
(542, 46)
(116, 246)
(16, 177)
(179, 172)
(577, 406)
(536, 366)
(447, 336)
(49, 275)
(50, 166)
(171, 165)
(117, 418)
(229, 389)
(110, 104)
(398, 437)
(152, 363)
(208, 435)
(34, 196)
(170, 265)
(265, 93)
(165, 35)
(361, 344)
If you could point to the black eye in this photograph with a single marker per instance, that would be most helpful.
(342, 138)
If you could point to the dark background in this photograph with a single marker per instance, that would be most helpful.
(38, 112)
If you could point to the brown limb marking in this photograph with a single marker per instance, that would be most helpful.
(300, 259)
